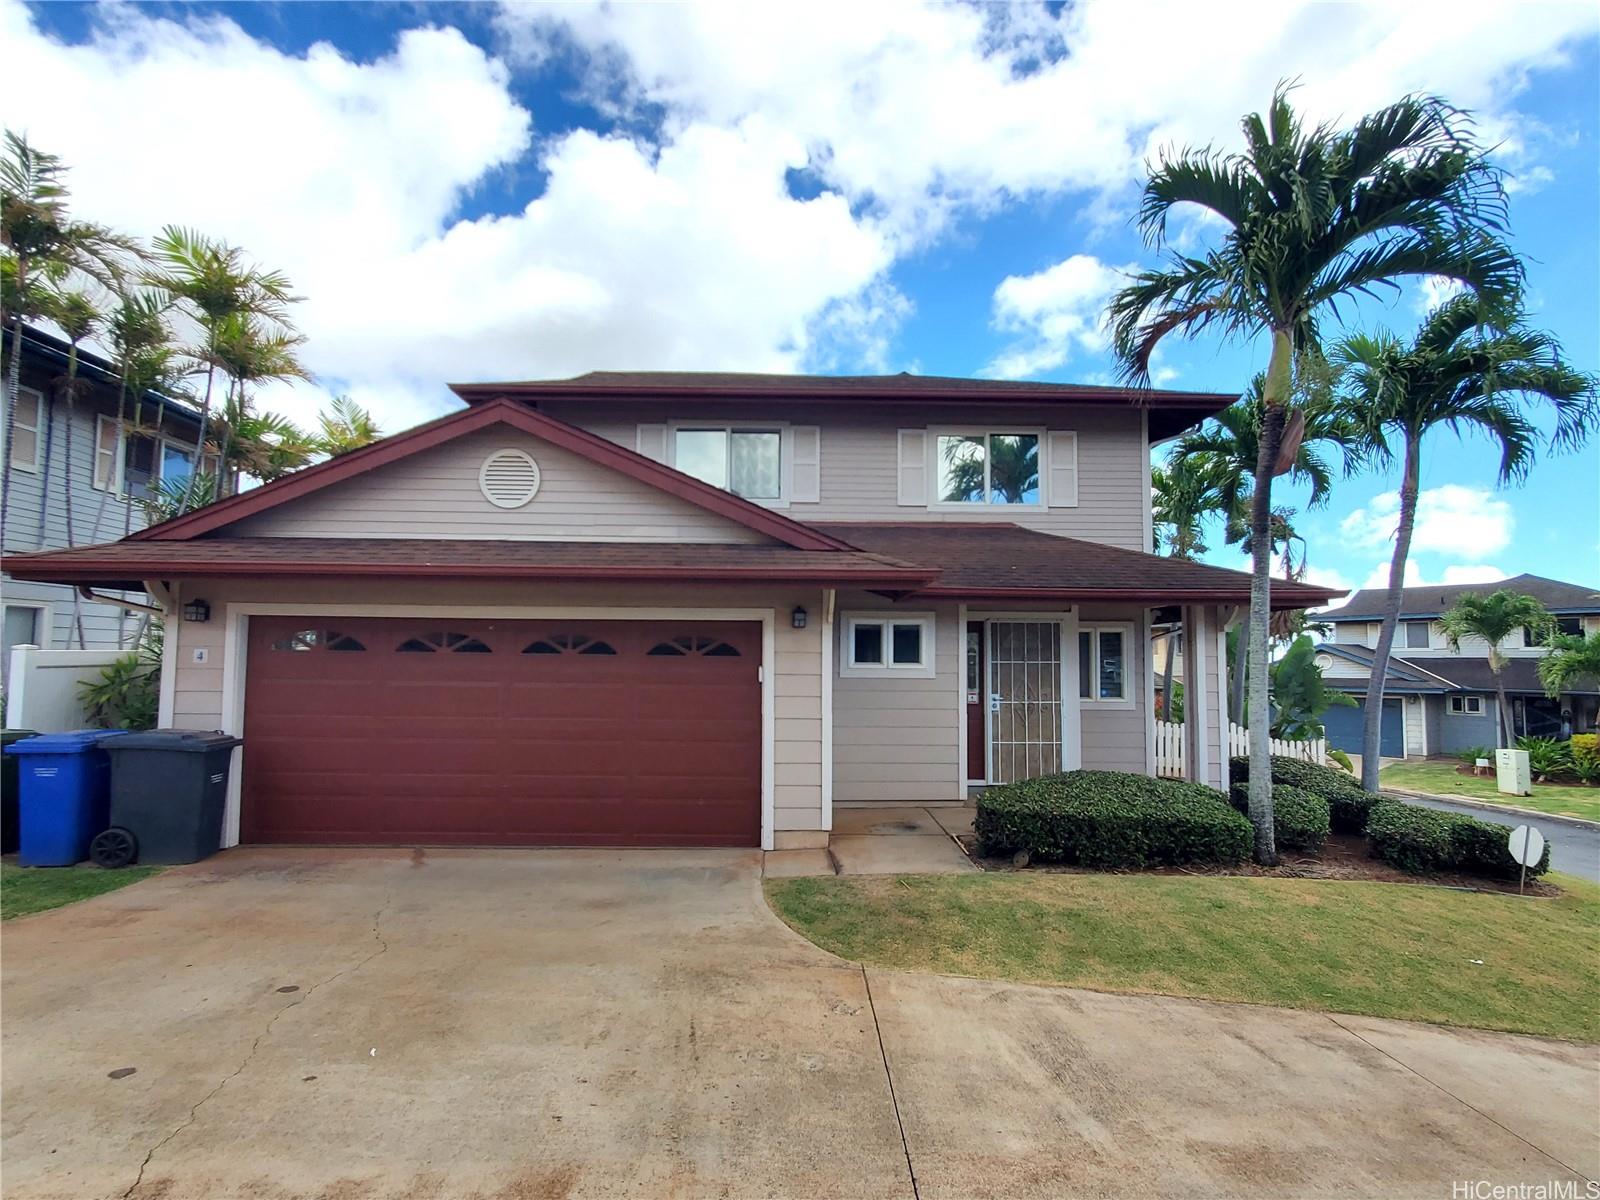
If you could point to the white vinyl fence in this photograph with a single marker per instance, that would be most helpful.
(1170, 744)
(42, 692)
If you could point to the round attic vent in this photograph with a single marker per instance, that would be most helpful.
(509, 478)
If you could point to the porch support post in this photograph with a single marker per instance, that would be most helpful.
(1198, 718)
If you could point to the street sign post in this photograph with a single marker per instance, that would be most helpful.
(1526, 845)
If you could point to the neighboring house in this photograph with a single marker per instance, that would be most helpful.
(105, 481)
(684, 609)
(1439, 700)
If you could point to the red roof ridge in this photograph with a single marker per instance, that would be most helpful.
(469, 420)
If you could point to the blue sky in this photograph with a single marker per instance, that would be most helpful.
(526, 191)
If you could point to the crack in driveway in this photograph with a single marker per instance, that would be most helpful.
(194, 1111)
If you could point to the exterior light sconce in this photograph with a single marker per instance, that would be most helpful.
(798, 617)
(197, 610)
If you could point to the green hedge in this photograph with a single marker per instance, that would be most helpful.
(1424, 840)
(1107, 819)
(1348, 804)
(1300, 819)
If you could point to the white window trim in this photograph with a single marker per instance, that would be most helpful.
(1094, 629)
(1466, 706)
(114, 484)
(935, 432)
(37, 428)
(850, 669)
(785, 453)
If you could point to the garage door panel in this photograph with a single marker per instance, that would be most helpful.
(491, 745)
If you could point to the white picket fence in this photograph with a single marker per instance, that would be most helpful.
(1170, 744)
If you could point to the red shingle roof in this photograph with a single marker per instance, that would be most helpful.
(993, 560)
(1171, 412)
(126, 563)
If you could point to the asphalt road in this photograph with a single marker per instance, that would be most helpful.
(1574, 849)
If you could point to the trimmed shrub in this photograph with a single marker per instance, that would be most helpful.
(1107, 819)
(1348, 804)
(1423, 840)
(1585, 748)
(1300, 819)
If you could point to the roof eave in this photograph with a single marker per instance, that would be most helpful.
(1150, 595)
(479, 393)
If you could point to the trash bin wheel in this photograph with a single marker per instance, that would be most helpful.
(114, 848)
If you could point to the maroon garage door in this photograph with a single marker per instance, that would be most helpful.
(523, 733)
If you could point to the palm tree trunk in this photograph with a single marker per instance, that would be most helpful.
(200, 443)
(13, 387)
(1166, 674)
(1372, 729)
(1241, 672)
(1280, 375)
(1507, 729)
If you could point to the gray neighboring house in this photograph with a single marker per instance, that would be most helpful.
(106, 478)
(1438, 700)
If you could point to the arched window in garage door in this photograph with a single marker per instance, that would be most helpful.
(318, 639)
(569, 643)
(680, 647)
(442, 641)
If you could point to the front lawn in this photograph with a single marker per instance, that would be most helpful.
(25, 890)
(1441, 779)
(1380, 949)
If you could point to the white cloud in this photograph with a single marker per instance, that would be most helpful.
(681, 245)
(1055, 311)
(1462, 522)
(1436, 290)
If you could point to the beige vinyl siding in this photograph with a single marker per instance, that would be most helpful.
(435, 494)
(899, 739)
(1114, 734)
(860, 460)
(797, 686)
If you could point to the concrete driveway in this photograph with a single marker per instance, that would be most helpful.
(366, 1024)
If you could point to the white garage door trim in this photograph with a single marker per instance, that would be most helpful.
(236, 618)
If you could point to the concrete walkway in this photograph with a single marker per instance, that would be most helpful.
(901, 839)
(357, 1025)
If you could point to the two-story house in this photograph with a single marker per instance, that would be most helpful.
(112, 467)
(685, 609)
(1440, 699)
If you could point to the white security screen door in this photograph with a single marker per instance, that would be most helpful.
(1024, 699)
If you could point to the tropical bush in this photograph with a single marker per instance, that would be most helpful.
(1348, 805)
(1301, 820)
(1108, 819)
(127, 694)
(1546, 756)
(1343, 759)
(1423, 841)
(1472, 754)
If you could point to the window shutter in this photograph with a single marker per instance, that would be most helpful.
(105, 452)
(652, 442)
(913, 468)
(1063, 469)
(805, 487)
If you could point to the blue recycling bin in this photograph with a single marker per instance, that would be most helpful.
(64, 790)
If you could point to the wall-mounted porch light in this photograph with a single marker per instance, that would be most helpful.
(197, 610)
(798, 617)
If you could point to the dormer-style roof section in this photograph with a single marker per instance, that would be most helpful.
(1171, 412)
(1369, 603)
(457, 425)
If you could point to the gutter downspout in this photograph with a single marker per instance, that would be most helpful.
(149, 610)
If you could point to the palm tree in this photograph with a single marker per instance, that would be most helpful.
(1493, 618)
(141, 345)
(249, 353)
(1313, 218)
(79, 318)
(1463, 371)
(212, 279)
(263, 445)
(1571, 660)
(1229, 446)
(345, 426)
(1183, 494)
(40, 239)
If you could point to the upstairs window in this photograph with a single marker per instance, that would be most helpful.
(1416, 635)
(1564, 627)
(746, 462)
(27, 438)
(988, 468)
